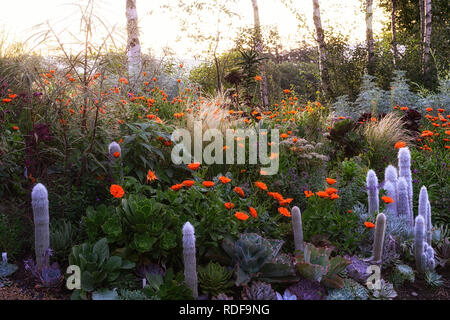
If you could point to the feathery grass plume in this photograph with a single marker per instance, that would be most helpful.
(391, 175)
(190, 263)
(39, 202)
(403, 200)
(378, 242)
(404, 169)
(391, 192)
(372, 192)
(297, 228)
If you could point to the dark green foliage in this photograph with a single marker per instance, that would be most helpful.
(215, 279)
(171, 287)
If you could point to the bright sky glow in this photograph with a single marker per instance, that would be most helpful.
(160, 28)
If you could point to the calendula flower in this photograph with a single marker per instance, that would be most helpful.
(287, 91)
(331, 190)
(285, 212)
(330, 181)
(229, 205)
(387, 199)
(208, 184)
(308, 193)
(277, 196)
(400, 144)
(224, 179)
(151, 176)
(261, 185)
(369, 224)
(258, 78)
(116, 191)
(116, 154)
(239, 191)
(349, 211)
(188, 183)
(334, 196)
(194, 165)
(429, 109)
(15, 128)
(241, 215)
(176, 187)
(253, 212)
(285, 202)
(322, 194)
(284, 135)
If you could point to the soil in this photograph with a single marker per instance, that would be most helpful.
(421, 290)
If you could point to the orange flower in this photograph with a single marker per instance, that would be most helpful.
(116, 191)
(331, 190)
(116, 154)
(253, 212)
(429, 109)
(6, 100)
(369, 224)
(334, 196)
(277, 196)
(151, 176)
(349, 211)
(176, 187)
(285, 202)
(285, 212)
(261, 185)
(239, 191)
(400, 144)
(287, 91)
(322, 194)
(387, 199)
(330, 181)
(308, 193)
(194, 165)
(258, 78)
(284, 135)
(188, 183)
(241, 215)
(224, 179)
(229, 205)
(15, 128)
(208, 184)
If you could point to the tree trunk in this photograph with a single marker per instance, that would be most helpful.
(422, 21)
(133, 44)
(259, 49)
(323, 69)
(427, 43)
(394, 33)
(369, 38)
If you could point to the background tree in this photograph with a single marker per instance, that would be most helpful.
(133, 44)
(369, 38)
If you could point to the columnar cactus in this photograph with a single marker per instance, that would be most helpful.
(391, 192)
(372, 192)
(403, 200)
(190, 264)
(404, 169)
(5, 257)
(429, 225)
(390, 175)
(423, 253)
(425, 212)
(298, 229)
(114, 153)
(39, 202)
(378, 242)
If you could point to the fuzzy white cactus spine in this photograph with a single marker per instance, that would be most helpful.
(429, 225)
(403, 200)
(298, 229)
(404, 170)
(425, 212)
(372, 192)
(378, 242)
(39, 202)
(190, 264)
(391, 192)
(391, 175)
(419, 231)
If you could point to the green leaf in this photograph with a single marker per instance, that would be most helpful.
(101, 249)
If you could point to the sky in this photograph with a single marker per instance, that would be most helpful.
(160, 28)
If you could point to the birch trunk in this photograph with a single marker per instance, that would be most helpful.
(394, 33)
(369, 38)
(323, 69)
(259, 49)
(427, 40)
(133, 44)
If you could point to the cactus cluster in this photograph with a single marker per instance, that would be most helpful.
(423, 252)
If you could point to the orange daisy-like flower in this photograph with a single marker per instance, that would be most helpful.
(241, 215)
(224, 179)
(258, 78)
(151, 176)
(253, 212)
(334, 196)
(277, 196)
(285, 202)
(285, 212)
(208, 184)
(429, 109)
(15, 128)
(369, 225)
(349, 211)
(194, 165)
(322, 194)
(261, 185)
(229, 205)
(176, 187)
(116, 191)
(308, 193)
(330, 181)
(116, 154)
(188, 183)
(239, 191)
(400, 144)
(284, 135)
(387, 199)
(287, 91)
(331, 190)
